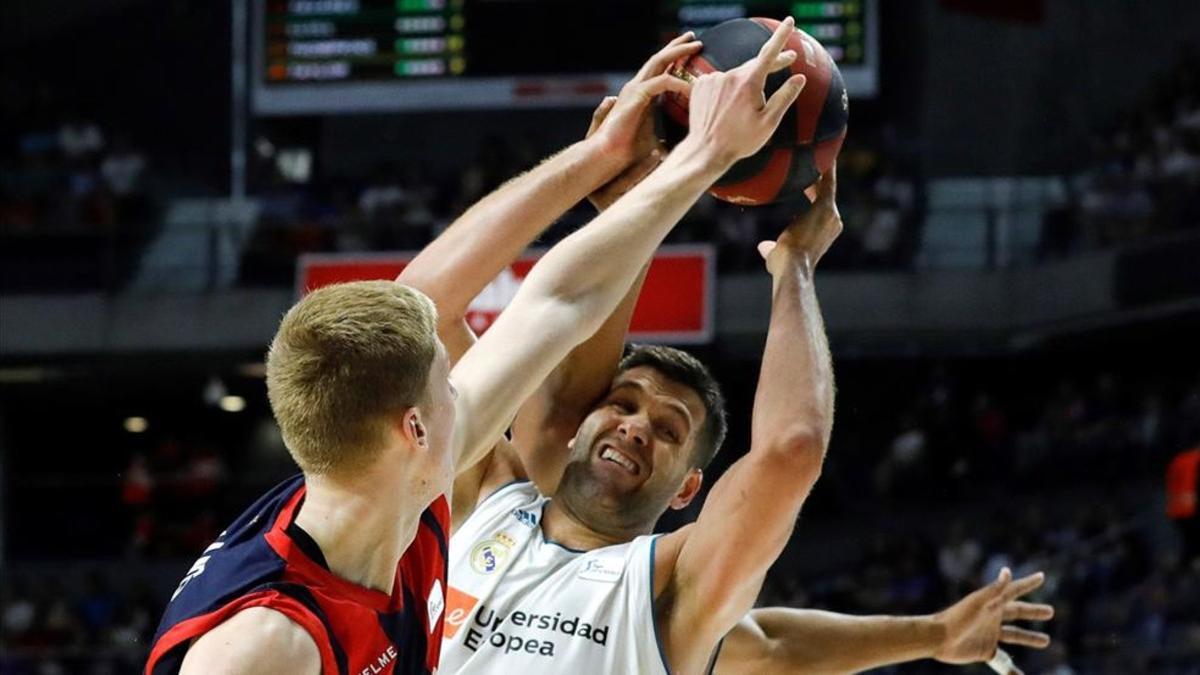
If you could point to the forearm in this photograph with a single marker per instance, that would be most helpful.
(569, 294)
(455, 267)
(593, 268)
(793, 404)
(812, 641)
(737, 538)
(550, 417)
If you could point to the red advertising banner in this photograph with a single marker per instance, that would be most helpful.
(676, 304)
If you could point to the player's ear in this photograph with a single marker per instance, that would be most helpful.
(413, 429)
(688, 491)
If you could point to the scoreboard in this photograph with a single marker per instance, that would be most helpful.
(333, 56)
(842, 27)
(324, 40)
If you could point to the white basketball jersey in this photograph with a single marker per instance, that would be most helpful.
(519, 604)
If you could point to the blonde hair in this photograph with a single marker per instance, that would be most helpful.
(346, 358)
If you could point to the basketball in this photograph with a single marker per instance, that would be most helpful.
(811, 133)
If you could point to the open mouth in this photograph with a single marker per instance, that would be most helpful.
(610, 453)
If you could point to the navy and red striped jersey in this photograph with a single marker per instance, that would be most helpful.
(265, 560)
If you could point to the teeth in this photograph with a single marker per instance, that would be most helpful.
(614, 456)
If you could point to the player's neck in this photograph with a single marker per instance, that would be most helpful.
(562, 525)
(362, 526)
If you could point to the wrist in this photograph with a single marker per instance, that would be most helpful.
(785, 261)
(706, 152)
(933, 628)
(695, 157)
(601, 156)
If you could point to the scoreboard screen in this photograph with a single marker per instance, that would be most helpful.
(332, 56)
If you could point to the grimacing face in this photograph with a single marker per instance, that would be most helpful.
(632, 453)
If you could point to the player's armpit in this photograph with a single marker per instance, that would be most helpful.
(500, 467)
(253, 641)
(745, 650)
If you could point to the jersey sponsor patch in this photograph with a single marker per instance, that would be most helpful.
(435, 604)
(526, 632)
(603, 568)
(458, 609)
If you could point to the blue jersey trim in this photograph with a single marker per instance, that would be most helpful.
(568, 549)
(662, 653)
(712, 661)
(548, 540)
(304, 596)
(435, 527)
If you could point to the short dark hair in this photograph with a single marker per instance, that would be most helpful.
(681, 367)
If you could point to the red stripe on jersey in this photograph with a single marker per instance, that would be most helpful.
(423, 564)
(304, 570)
(353, 626)
(197, 626)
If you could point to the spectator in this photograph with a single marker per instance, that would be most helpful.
(17, 612)
(79, 138)
(122, 171)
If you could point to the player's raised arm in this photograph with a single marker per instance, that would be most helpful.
(571, 290)
(550, 418)
(719, 565)
(489, 236)
(781, 640)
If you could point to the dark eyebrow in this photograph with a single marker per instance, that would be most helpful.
(673, 404)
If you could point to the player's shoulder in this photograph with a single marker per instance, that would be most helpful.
(254, 640)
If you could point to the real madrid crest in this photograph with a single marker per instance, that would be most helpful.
(490, 554)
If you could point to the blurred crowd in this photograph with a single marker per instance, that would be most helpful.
(77, 177)
(1059, 473)
(1125, 604)
(171, 497)
(90, 625)
(956, 438)
(73, 177)
(403, 206)
(1142, 176)
(76, 205)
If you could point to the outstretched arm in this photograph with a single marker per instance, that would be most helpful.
(464, 259)
(579, 282)
(780, 640)
(550, 418)
(749, 516)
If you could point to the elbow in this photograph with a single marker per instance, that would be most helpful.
(451, 310)
(413, 277)
(799, 451)
(577, 314)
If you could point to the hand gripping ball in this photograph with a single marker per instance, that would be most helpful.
(811, 133)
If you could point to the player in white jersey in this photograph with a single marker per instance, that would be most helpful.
(577, 584)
